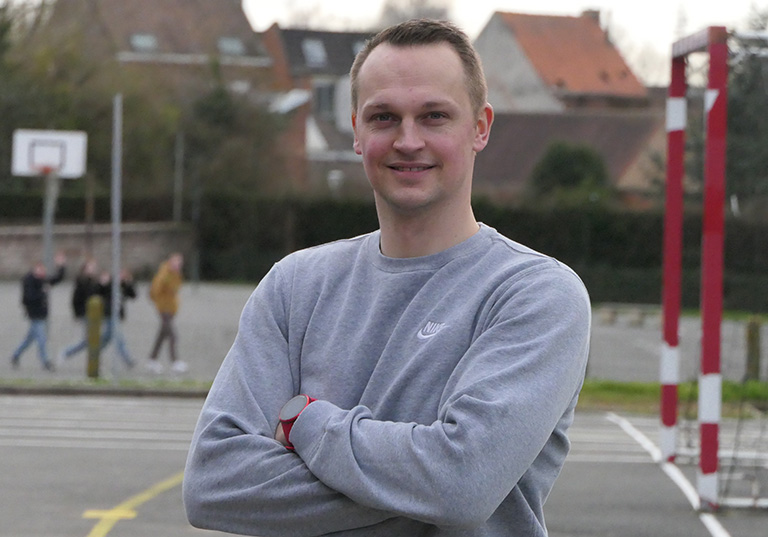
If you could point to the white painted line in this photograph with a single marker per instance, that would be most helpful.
(673, 472)
(639, 437)
(91, 444)
(713, 525)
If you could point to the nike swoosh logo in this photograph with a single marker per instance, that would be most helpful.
(430, 330)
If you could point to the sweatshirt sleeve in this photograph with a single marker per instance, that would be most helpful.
(501, 423)
(238, 478)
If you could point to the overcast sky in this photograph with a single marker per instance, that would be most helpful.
(644, 31)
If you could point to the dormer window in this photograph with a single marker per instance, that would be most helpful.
(231, 46)
(144, 42)
(314, 53)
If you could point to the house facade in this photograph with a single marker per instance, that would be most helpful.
(560, 79)
(180, 45)
(550, 78)
(315, 65)
(547, 63)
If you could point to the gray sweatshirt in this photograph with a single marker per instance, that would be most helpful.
(445, 388)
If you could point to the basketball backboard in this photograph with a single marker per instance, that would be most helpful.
(37, 152)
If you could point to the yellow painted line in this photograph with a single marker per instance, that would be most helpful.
(114, 514)
(127, 510)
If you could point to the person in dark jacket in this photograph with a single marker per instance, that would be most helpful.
(86, 285)
(35, 286)
(127, 291)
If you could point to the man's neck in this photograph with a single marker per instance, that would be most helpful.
(420, 236)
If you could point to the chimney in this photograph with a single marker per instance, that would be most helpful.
(593, 14)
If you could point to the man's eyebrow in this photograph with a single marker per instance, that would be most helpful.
(436, 104)
(377, 106)
(429, 105)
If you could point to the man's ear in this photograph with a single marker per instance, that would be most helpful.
(356, 143)
(484, 123)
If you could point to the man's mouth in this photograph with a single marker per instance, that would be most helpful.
(410, 168)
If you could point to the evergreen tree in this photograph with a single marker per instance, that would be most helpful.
(570, 173)
(747, 159)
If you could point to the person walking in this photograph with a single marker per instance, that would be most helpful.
(127, 291)
(34, 297)
(164, 292)
(416, 380)
(86, 285)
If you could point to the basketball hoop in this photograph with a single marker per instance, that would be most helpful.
(39, 153)
(45, 171)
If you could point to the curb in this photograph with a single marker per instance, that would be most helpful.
(116, 391)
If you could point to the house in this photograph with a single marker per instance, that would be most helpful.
(545, 63)
(179, 51)
(631, 143)
(315, 66)
(560, 79)
(179, 44)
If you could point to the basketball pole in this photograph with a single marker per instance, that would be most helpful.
(116, 201)
(49, 212)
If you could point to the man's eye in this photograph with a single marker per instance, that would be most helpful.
(381, 117)
(436, 115)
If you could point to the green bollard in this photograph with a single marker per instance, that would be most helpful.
(94, 313)
(753, 349)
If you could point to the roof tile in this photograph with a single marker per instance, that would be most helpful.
(573, 54)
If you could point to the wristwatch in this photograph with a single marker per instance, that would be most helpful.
(290, 412)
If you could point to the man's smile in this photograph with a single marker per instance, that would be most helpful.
(410, 168)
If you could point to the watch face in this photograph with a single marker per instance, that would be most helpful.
(293, 407)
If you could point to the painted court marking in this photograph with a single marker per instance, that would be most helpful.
(673, 472)
(127, 509)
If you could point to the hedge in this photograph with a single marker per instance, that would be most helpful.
(619, 255)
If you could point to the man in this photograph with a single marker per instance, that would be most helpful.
(164, 292)
(418, 380)
(34, 297)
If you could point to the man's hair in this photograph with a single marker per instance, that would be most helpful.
(418, 32)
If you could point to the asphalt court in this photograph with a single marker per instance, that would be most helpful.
(610, 486)
(101, 466)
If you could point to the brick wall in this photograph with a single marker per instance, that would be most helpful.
(143, 246)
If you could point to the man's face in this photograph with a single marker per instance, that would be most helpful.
(39, 270)
(175, 262)
(415, 128)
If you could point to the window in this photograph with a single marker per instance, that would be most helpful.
(143, 42)
(324, 98)
(231, 46)
(240, 87)
(314, 53)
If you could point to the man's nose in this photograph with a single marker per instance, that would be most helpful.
(409, 137)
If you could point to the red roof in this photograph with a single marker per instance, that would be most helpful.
(573, 54)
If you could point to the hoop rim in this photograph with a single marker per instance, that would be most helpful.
(45, 169)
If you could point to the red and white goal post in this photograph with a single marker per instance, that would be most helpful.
(714, 42)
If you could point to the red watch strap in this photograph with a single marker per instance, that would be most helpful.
(287, 425)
